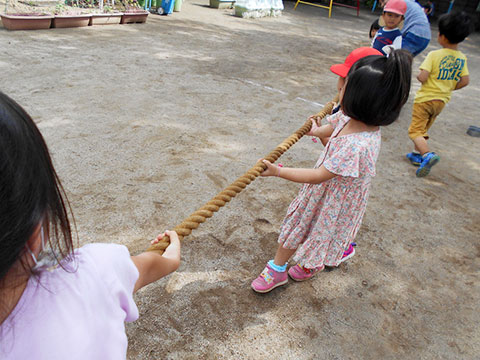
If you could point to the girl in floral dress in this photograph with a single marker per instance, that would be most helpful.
(324, 218)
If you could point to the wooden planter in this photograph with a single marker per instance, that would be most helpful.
(105, 19)
(134, 17)
(26, 21)
(68, 21)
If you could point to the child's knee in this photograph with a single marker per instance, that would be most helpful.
(414, 133)
(416, 129)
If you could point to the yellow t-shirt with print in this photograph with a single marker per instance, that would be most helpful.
(446, 67)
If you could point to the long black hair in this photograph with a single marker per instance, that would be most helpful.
(30, 190)
(377, 87)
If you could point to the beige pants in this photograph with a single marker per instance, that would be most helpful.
(423, 116)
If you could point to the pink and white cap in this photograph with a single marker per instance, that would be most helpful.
(396, 6)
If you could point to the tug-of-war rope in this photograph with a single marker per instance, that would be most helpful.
(224, 196)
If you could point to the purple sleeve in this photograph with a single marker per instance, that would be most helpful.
(119, 274)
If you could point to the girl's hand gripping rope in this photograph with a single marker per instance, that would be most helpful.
(314, 129)
(173, 250)
(272, 169)
(153, 266)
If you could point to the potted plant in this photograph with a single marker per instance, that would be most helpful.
(107, 17)
(24, 17)
(70, 17)
(32, 21)
(133, 13)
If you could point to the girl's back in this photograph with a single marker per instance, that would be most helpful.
(351, 155)
(81, 308)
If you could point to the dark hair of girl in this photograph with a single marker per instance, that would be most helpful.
(375, 26)
(30, 191)
(377, 87)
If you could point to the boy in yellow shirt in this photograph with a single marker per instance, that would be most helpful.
(441, 72)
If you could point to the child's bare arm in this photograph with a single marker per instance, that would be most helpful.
(309, 176)
(423, 76)
(464, 80)
(325, 140)
(153, 266)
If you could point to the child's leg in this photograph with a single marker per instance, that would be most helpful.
(283, 255)
(417, 130)
(423, 117)
(430, 110)
(421, 145)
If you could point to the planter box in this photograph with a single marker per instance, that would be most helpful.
(26, 22)
(134, 17)
(222, 4)
(68, 21)
(105, 19)
(248, 13)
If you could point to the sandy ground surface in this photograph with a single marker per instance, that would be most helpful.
(147, 122)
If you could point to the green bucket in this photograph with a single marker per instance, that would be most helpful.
(178, 5)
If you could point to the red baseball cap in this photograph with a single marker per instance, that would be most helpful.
(343, 69)
(396, 6)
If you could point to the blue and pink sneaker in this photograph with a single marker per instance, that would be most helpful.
(268, 280)
(347, 254)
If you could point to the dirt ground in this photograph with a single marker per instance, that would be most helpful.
(147, 122)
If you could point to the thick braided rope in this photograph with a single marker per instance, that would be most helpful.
(211, 207)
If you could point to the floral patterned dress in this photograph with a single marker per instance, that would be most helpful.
(323, 219)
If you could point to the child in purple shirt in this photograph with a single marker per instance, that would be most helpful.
(56, 302)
